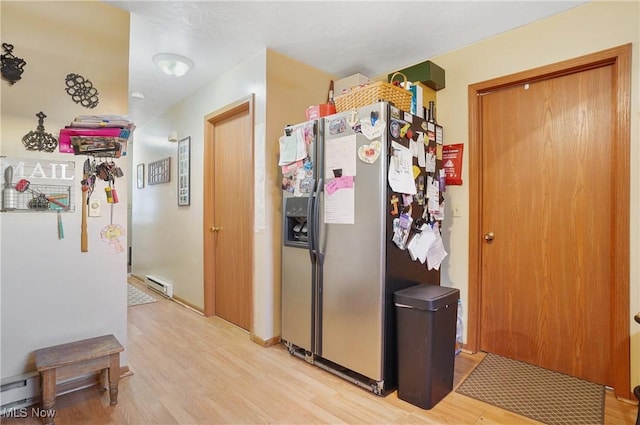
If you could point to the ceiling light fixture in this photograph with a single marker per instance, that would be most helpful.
(172, 64)
(137, 95)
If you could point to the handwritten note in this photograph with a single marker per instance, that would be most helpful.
(339, 204)
(340, 154)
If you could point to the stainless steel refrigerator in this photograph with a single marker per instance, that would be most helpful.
(342, 254)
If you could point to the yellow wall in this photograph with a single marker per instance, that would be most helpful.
(588, 28)
(291, 87)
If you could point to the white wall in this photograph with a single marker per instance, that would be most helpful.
(586, 29)
(167, 239)
(50, 292)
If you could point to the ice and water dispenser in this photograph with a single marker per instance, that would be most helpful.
(295, 222)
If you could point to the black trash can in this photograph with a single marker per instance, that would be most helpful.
(426, 335)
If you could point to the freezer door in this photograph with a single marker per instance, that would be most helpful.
(298, 269)
(352, 287)
(296, 297)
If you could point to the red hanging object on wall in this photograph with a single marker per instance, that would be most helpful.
(452, 163)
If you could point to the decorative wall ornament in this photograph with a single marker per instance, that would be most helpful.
(11, 65)
(38, 140)
(82, 91)
(111, 235)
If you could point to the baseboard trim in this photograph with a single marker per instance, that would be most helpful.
(268, 343)
(135, 279)
(187, 304)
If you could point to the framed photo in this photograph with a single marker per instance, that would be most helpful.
(184, 171)
(140, 176)
(159, 171)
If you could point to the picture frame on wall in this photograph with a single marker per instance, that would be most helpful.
(184, 171)
(159, 171)
(140, 175)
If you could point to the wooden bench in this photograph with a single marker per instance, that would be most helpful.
(76, 358)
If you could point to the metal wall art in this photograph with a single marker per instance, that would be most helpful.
(38, 140)
(82, 91)
(11, 65)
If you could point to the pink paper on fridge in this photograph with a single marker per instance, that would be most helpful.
(344, 182)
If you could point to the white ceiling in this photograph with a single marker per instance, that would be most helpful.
(341, 37)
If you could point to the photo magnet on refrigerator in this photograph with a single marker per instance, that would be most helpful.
(394, 129)
(337, 126)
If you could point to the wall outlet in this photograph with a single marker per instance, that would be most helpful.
(94, 207)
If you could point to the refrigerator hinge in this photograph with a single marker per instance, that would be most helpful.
(378, 388)
(308, 357)
(299, 352)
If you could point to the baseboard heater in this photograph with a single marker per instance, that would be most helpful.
(19, 392)
(162, 287)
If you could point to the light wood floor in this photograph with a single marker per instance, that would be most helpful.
(188, 369)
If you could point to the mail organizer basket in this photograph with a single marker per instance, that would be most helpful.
(374, 92)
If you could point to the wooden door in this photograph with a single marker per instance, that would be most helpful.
(228, 220)
(551, 291)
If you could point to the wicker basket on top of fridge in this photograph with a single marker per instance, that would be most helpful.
(375, 92)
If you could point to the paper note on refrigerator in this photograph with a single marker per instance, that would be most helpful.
(421, 151)
(433, 194)
(340, 156)
(436, 252)
(420, 244)
(340, 201)
(430, 166)
(344, 182)
(292, 148)
(401, 170)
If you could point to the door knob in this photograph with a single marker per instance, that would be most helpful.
(489, 237)
(215, 229)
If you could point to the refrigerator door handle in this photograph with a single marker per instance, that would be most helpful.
(316, 223)
(310, 226)
(318, 276)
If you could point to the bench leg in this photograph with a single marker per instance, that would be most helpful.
(48, 378)
(114, 377)
(104, 380)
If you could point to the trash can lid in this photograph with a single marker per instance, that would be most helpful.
(427, 297)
